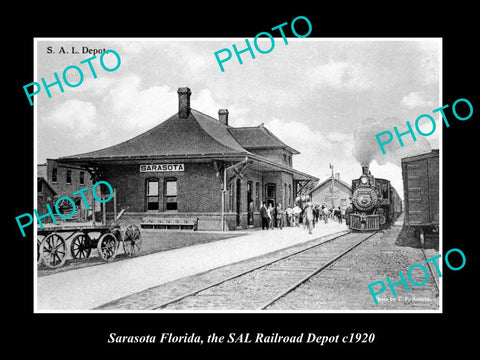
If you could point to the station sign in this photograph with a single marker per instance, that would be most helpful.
(162, 167)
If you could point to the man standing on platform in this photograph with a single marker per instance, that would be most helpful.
(308, 215)
(264, 215)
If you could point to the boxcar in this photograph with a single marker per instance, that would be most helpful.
(421, 191)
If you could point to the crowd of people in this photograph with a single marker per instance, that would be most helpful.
(304, 213)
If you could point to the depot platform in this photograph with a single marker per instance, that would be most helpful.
(86, 288)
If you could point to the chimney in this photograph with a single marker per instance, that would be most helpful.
(223, 116)
(183, 102)
(337, 176)
(365, 170)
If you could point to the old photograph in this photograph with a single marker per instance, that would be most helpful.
(281, 173)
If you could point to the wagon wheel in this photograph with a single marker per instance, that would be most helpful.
(132, 240)
(39, 241)
(53, 251)
(107, 246)
(79, 247)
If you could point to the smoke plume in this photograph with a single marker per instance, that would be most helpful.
(366, 148)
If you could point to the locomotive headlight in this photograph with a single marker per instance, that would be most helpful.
(364, 179)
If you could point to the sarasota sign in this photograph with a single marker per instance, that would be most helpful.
(162, 167)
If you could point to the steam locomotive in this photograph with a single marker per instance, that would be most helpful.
(375, 203)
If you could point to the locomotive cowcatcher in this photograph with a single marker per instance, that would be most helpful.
(375, 203)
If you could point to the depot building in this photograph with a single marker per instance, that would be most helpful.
(194, 165)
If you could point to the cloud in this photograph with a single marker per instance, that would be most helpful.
(341, 75)
(208, 104)
(136, 108)
(337, 137)
(313, 146)
(415, 99)
(295, 133)
(78, 117)
(97, 86)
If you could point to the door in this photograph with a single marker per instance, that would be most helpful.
(239, 201)
(271, 194)
(250, 203)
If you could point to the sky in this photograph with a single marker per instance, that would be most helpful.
(323, 97)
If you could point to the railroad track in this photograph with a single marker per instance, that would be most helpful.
(259, 287)
(430, 269)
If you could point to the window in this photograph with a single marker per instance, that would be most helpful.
(290, 161)
(271, 189)
(39, 186)
(257, 196)
(82, 178)
(285, 159)
(230, 197)
(285, 195)
(54, 175)
(289, 193)
(69, 177)
(152, 194)
(171, 194)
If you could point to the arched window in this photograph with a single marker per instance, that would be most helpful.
(250, 203)
(171, 194)
(151, 194)
(230, 196)
(249, 193)
(271, 194)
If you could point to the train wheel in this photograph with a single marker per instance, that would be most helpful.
(79, 248)
(53, 251)
(132, 240)
(107, 246)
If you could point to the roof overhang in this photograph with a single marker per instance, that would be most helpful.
(262, 164)
(125, 160)
(286, 147)
(258, 162)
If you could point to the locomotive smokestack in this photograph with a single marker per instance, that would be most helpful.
(365, 170)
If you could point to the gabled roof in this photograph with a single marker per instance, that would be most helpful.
(258, 137)
(43, 180)
(198, 134)
(327, 182)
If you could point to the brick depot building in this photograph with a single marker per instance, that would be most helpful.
(178, 169)
(56, 180)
